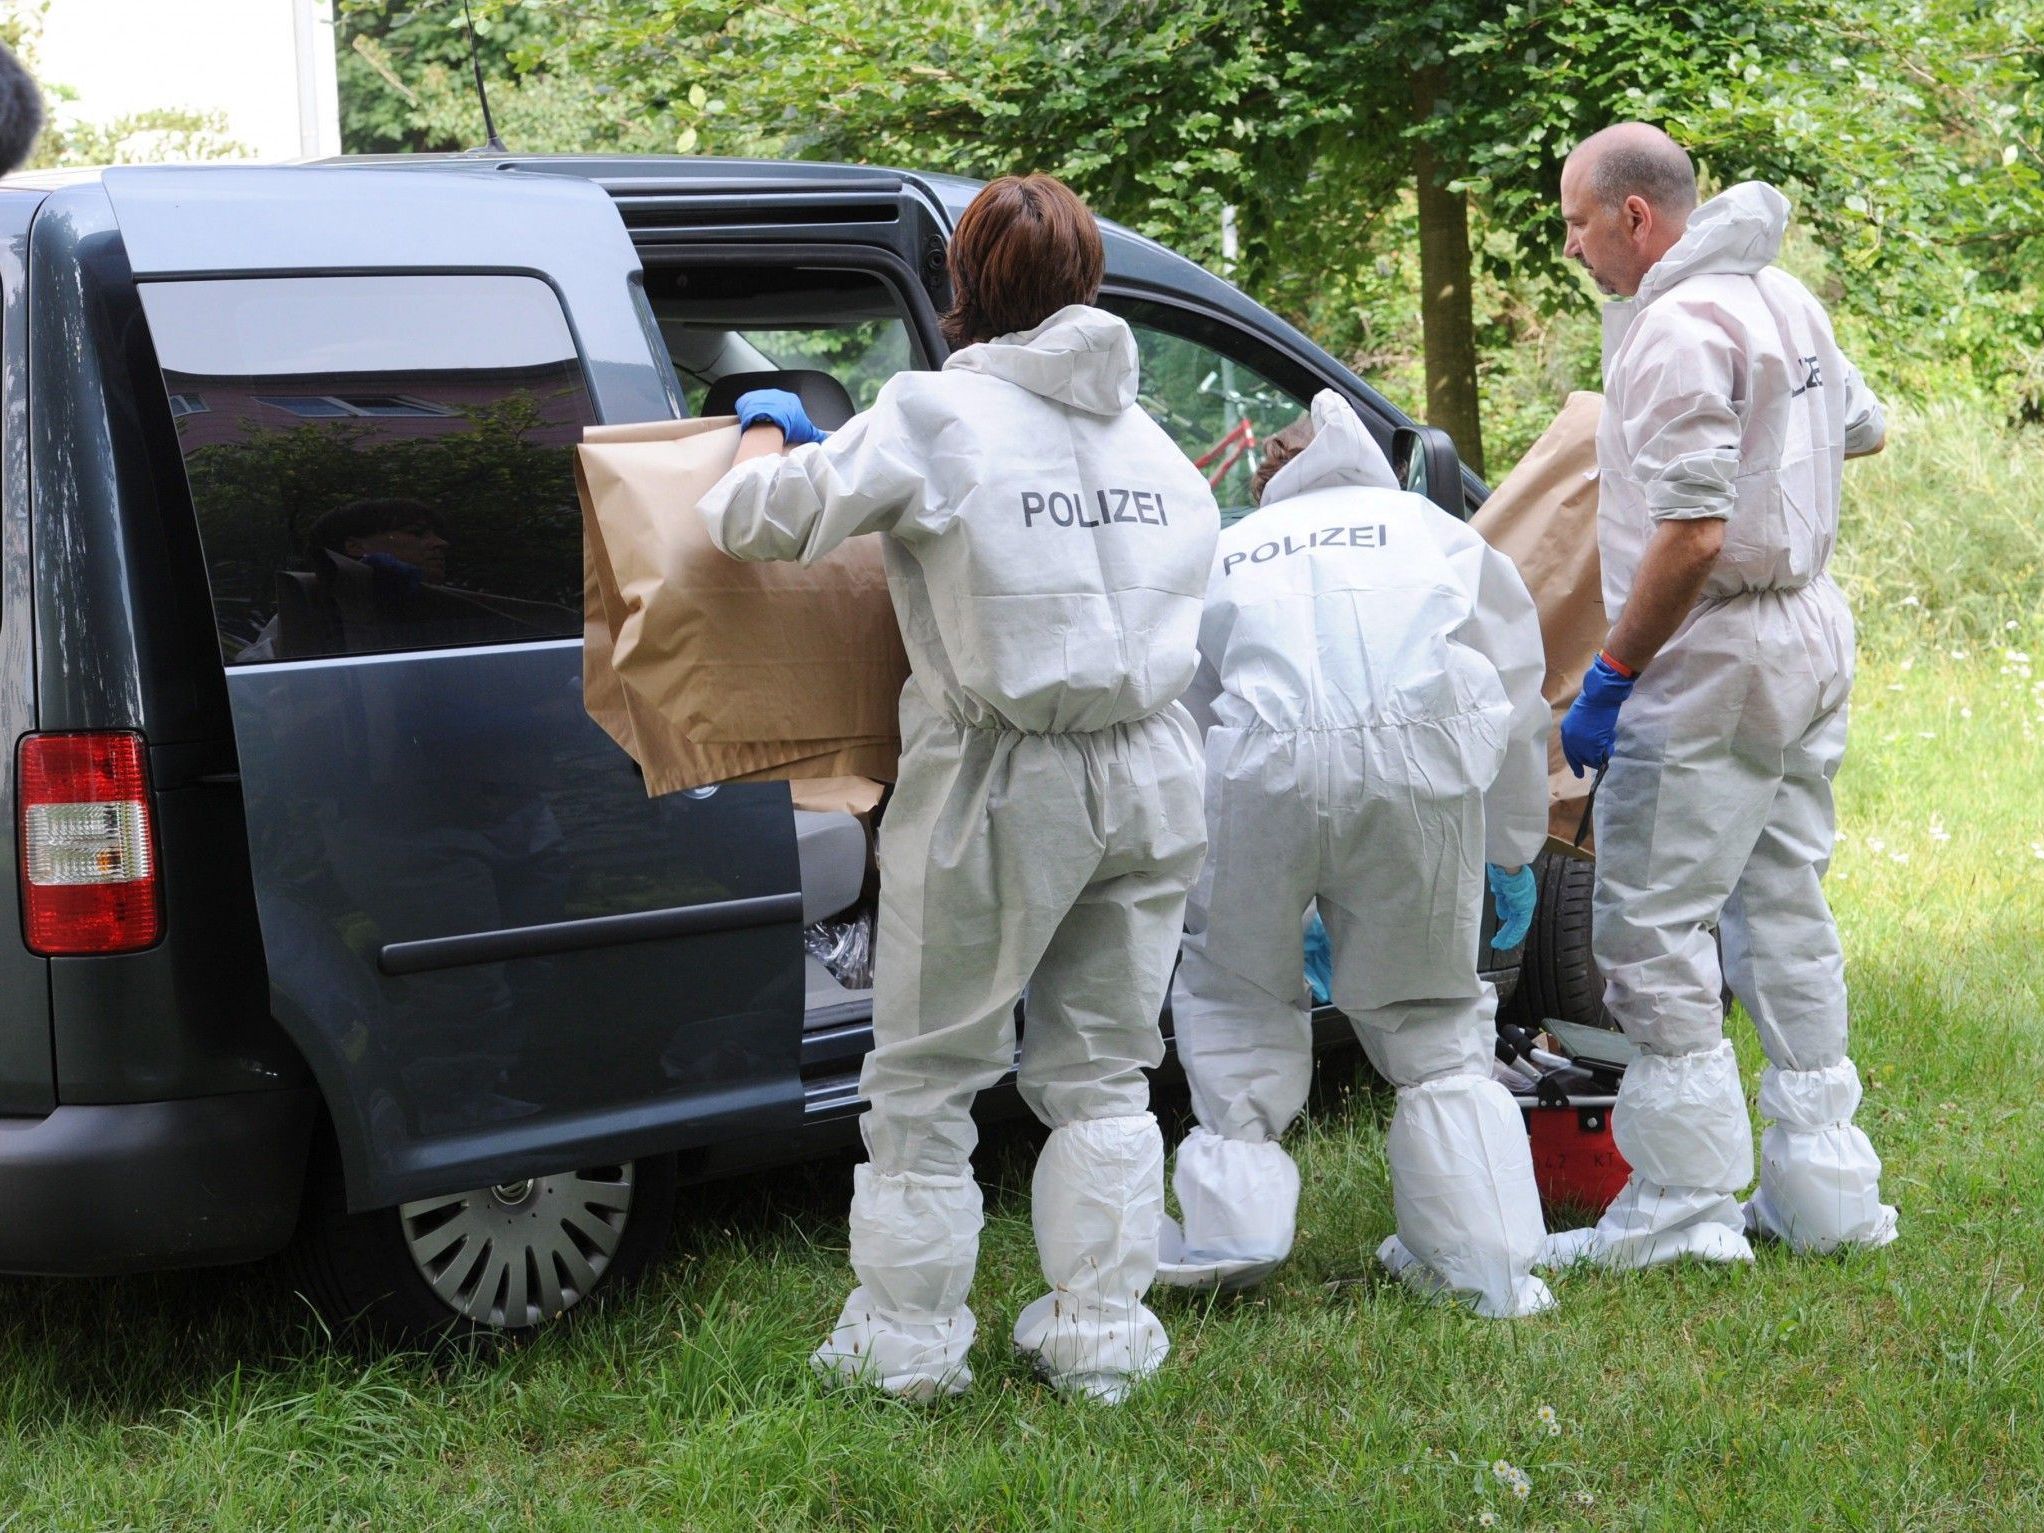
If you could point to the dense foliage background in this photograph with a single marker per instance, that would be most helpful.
(1345, 140)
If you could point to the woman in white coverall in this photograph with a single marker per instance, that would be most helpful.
(1047, 548)
(1374, 670)
(1719, 704)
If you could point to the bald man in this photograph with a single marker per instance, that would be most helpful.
(1717, 711)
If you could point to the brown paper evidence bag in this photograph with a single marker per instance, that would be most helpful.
(1543, 517)
(707, 669)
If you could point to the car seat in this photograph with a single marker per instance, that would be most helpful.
(826, 402)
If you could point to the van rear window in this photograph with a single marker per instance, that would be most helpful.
(379, 462)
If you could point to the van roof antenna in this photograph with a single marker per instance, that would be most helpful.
(495, 145)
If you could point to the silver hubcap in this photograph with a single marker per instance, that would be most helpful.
(520, 1253)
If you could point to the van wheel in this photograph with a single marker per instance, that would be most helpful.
(498, 1261)
(1557, 975)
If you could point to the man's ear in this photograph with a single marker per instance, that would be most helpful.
(1639, 216)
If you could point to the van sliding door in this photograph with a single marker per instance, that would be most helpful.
(498, 956)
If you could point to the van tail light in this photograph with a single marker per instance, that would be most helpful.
(89, 881)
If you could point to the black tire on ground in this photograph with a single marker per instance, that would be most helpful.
(1557, 975)
(359, 1271)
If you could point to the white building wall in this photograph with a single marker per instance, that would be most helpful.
(266, 66)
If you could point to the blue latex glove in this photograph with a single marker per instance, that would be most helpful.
(1515, 894)
(1591, 723)
(1319, 962)
(780, 408)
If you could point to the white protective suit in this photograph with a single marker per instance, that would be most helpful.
(1726, 396)
(1047, 548)
(1374, 670)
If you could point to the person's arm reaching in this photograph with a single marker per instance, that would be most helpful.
(803, 503)
(759, 441)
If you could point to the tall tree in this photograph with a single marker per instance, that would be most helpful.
(1308, 116)
(406, 83)
(1906, 129)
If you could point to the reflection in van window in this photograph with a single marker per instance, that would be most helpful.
(378, 463)
(1200, 383)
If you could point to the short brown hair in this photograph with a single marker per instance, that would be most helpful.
(1025, 248)
(1278, 450)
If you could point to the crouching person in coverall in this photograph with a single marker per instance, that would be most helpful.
(1374, 670)
(1719, 705)
(1047, 547)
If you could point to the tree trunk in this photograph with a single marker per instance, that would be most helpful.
(1444, 267)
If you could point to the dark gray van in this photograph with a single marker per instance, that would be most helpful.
(336, 915)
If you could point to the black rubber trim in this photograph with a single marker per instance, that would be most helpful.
(650, 220)
(576, 936)
(678, 189)
(819, 1019)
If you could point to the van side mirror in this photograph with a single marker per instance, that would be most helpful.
(1425, 462)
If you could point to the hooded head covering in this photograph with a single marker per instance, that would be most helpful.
(1342, 452)
(1739, 231)
(1081, 356)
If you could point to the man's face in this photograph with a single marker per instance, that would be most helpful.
(1608, 242)
(416, 543)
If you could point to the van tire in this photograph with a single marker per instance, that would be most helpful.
(1558, 977)
(359, 1273)
(1558, 973)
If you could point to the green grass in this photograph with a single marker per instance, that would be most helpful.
(1902, 1389)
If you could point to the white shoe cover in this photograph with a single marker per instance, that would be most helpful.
(1820, 1180)
(1240, 1198)
(1462, 1187)
(906, 1329)
(1650, 1226)
(1530, 1296)
(1680, 1122)
(1098, 1202)
(1221, 1274)
(1565, 1248)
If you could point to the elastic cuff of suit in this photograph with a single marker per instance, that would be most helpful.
(1809, 1100)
